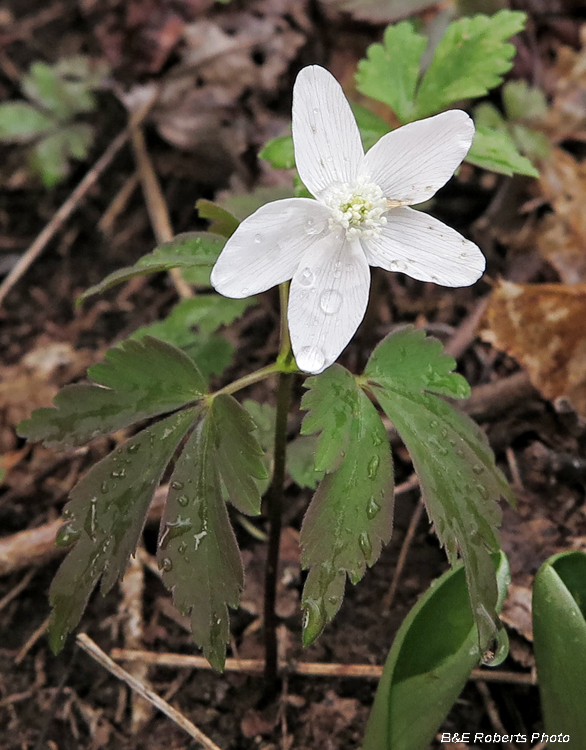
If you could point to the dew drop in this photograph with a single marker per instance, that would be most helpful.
(104, 487)
(310, 227)
(119, 474)
(443, 450)
(434, 423)
(376, 439)
(398, 265)
(365, 545)
(177, 485)
(478, 468)
(372, 468)
(311, 359)
(315, 111)
(482, 490)
(166, 565)
(67, 535)
(306, 277)
(333, 600)
(444, 432)
(372, 509)
(183, 500)
(460, 452)
(182, 547)
(133, 448)
(314, 620)
(257, 239)
(330, 301)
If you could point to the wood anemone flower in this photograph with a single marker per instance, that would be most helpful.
(360, 217)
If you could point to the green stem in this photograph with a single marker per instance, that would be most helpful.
(254, 377)
(275, 509)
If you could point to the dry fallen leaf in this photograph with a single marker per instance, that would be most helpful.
(567, 115)
(561, 236)
(542, 326)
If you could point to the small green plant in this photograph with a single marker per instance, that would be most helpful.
(48, 124)
(351, 211)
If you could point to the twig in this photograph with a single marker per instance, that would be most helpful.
(71, 203)
(156, 206)
(106, 223)
(492, 399)
(92, 648)
(32, 640)
(466, 331)
(312, 669)
(493, 713)
(411, 529)
(20, 586)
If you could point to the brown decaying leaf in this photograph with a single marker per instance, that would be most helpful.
(542, 326)
(561, 235)
(567, 115)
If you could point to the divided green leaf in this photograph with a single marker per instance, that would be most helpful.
(105, 517)
(495, 150)
(351, 514)
(21, 123)
(50, 156)
(459, 480)
(136, 380)
(198, 553)
(429, 663)
(390, 71)
(192, 250)
(470, 59)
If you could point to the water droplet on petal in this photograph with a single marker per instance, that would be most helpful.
(257, 239)
(306, 277)
(330, 301)
(310, 359)
(398, 265)
(310, 227)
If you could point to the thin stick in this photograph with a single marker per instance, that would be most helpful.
(312, 669)
(92, 648)
(275, 511)
(62, 214)
(156, 206)
(411, 529)
(20, 586)
(32, 640)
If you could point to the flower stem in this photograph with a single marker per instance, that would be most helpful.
(275, 508)
(253, 377)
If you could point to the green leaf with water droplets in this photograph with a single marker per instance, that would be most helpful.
(105, 516)
(429, 663)
(351, 514)
(459, 480)
(190, 251)
(197, 552)
(136, 380)
(390, 71)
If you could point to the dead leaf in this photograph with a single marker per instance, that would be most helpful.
(256, 723)
(561, 235)
(567, 115)
(542, 326)
(517, 610)
(327, 720)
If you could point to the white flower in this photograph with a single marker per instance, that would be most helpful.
(360, 217)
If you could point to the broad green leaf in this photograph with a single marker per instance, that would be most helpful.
(301, 461)
(351, 515)
(136, 380)
(222, 221)
(279, 152)
(263, 416)
(459, 480)
(559, 631)
(197, 552)
(524, 102)
(495, 150)
(429, 663)
(105, 517)
(470, 59)
(190, 250)
(239, 454)
(390, 70)
(22, 123)
(50, 156)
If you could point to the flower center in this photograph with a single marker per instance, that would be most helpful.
(357, 208)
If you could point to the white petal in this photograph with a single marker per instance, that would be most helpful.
(426, 249)
(412, 163)
(326, 138)
(268, 246)
(327, 301)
